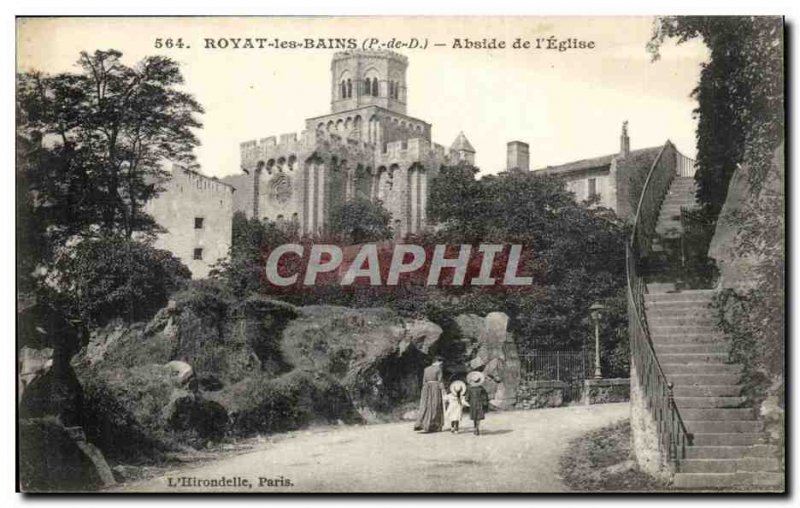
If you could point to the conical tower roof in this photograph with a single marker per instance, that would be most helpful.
(462, 144)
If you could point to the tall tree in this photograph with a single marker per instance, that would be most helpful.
(573, 251)
(103, 136)
(739, 97)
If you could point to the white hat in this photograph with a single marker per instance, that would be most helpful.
(475, 378)
(459, 386)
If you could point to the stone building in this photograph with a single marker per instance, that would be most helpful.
(608, 178)
(367, 146)
(197, 213)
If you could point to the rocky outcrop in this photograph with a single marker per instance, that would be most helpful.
(187, 411)
(738, 264)
(491, 349)
(51, 460)
(377, 355)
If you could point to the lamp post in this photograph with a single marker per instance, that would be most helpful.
(597, 313)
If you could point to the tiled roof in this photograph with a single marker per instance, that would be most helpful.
(635, 158)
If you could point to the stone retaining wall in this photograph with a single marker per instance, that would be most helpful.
(601, 391)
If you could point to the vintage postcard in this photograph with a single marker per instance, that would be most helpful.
(400, 255)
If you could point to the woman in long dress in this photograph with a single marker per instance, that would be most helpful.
(431, 402)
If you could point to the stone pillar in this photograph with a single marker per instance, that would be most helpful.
(308, 198)
(423, 199)
(412, 200)
(256, 190)
(320, 181)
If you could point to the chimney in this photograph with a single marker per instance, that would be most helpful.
(624, 141)
(517, 156)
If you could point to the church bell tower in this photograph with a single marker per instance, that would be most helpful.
(368, 78)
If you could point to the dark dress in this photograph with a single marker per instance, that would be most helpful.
(478, 401)
(431, 405)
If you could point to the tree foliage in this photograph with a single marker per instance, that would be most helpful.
(100, 139)
(739, 96)
(90, 149)
(252, 239)
(361, 220)
(106, 279)
(575, 252)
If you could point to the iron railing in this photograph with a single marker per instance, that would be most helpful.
(656, 390)
(685, 166)
(570, 367)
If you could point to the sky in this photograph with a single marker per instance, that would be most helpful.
(567, 105)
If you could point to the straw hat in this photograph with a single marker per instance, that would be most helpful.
(458, 386)
(475, 378)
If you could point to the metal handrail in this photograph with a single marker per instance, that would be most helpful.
(658, 391)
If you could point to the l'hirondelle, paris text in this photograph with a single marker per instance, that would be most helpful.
(406, 258)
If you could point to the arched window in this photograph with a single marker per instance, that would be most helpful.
(343, 91)
(391, 89)
(375, 87)
(367, 86)
(349, 88)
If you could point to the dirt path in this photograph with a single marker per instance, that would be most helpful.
(518, 452)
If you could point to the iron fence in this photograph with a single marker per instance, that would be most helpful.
(569, 367)
(673, 438)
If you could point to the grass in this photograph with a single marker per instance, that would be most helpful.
(602, 461)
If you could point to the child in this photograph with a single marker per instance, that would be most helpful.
(455, 404)
(477, 399)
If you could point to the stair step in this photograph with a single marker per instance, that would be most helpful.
(697, 349)
(709, 402)
(731, 452)
(679, 320)
(730, 390)
(727, 480)
(704, 368)
(704, 379)
(723, 426)
(703, 359)
(753, 464)
(677, 306)
(655, 312)
(658, 328)
(727, 439)
(660, 287)
(688, 338)
(695, 295)
(719, 413)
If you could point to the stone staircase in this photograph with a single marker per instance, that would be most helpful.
(681, 194)
(729, 449)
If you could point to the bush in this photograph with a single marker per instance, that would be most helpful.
(116, 422)
(752, 322)
(301, 397)
(134, 415)
(117, 278)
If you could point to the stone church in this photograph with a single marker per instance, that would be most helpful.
(366, 147)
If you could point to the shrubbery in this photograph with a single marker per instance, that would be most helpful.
(753, 321)
(120, 411)
(261, 404)
(105, 279)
